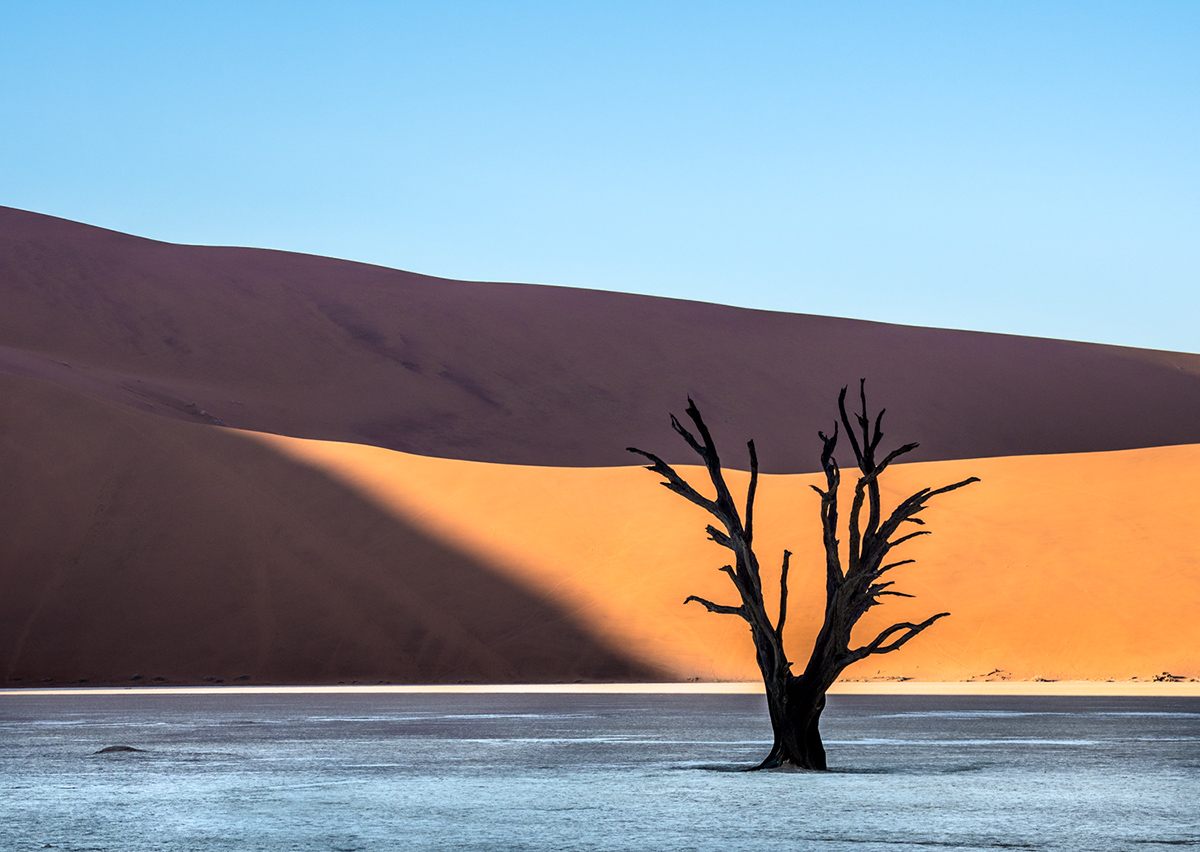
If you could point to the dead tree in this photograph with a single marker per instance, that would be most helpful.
(795, 701)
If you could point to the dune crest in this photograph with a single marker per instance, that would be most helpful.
(522, 374)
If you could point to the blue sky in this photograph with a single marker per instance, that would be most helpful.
(1024, 167)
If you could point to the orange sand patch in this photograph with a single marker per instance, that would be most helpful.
(1187, 689)
(1069, 567)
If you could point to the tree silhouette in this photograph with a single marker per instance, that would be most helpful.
(795, 701)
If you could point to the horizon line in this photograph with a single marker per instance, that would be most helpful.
(1014, 688)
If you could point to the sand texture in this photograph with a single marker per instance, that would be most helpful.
(1051, 567)
(426, 480)
(521, 374)
(138, 545)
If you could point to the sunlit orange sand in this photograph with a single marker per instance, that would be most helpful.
(1071, 567)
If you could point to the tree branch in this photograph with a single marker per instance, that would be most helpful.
(916, 503)
(877, 590)
(701, 451)
(878, 646)
(947, 488)
(719, 537)
(829, 512)
(855, 531)
(749, 527)
(892, 456)
(864, 423)
(726, 510)
(718, 608)
(906, 509)
(827, 447)
(858, 453)
(878, 436)
(905, 538)
(675, 482)
(783, 592)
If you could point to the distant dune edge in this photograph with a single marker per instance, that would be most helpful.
(311, 347)
(424, 481)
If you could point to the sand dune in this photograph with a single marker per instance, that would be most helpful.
(320, 348)
(140, 545)
(136, 545)
(511, 541)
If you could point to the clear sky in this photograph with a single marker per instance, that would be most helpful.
(1025, 167)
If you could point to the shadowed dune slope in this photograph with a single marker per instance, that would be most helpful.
(1061, 567)
(137, 545)
(313, 347)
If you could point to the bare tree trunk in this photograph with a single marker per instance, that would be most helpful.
(795, 720)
